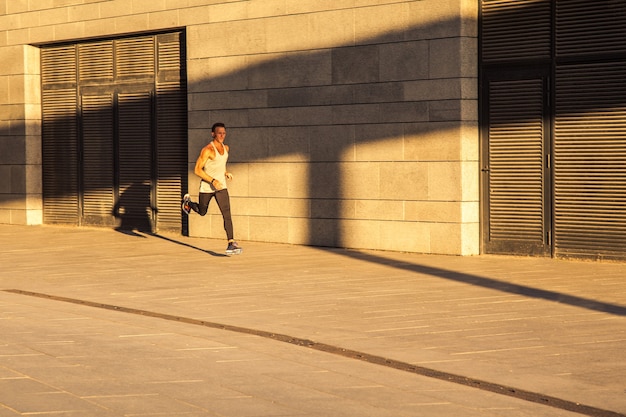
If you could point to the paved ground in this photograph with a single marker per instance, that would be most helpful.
(549, 333)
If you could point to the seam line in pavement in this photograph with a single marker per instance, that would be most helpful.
(521, 394)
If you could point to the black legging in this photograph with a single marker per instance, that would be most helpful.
(223, 202)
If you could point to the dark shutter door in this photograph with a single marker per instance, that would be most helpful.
(590, 160)
(135, 161)
(98, 163)
(60, 136)
(135, 73)
(171, 115)
(582, 42)
(514, 179)
(95, 73)
(117, 156)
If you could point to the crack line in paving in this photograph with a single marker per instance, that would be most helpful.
(521, 394)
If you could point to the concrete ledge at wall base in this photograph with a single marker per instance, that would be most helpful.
(34, 217)
(201, 226)
(431, 238)
(5, 216)
(268, 229)
(398, 236)
(455, 239)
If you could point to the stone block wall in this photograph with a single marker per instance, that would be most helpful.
(20, 136)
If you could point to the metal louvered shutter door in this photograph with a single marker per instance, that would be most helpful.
(98, 164)
(515, 29)
(135, 160)
(115, 132)
(516, 212)
(59, 135)
(171, 131)
(590, 161)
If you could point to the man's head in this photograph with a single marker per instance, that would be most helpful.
(218, 132)
(216, 125)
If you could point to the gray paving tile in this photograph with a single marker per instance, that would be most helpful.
(552, 326)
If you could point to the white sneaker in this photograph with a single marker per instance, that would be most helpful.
(233, 249)
(185, 204)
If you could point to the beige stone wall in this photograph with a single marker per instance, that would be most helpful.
(352, 123)
(20, 135)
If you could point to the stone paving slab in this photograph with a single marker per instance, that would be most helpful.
(73, 360)
(547, 326)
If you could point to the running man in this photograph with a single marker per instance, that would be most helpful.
(211, 168)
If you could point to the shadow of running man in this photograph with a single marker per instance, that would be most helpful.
(134, 210)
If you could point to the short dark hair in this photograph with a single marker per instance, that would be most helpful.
(216, 125)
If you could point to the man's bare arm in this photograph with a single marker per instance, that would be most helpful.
(205, 155)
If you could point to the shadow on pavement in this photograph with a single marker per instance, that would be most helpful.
(136, 234)
(507, 287)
